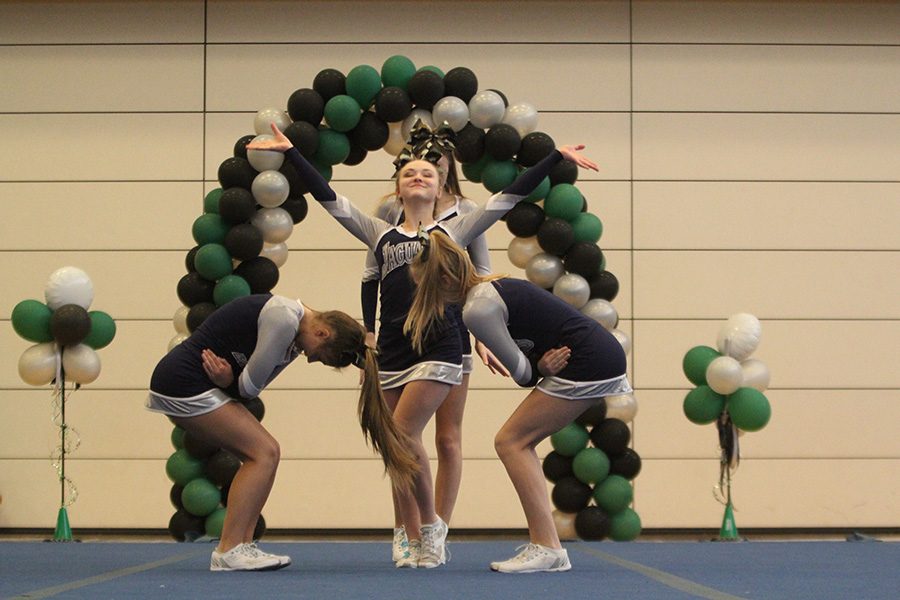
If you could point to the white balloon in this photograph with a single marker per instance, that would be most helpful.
(69, 285)
(739, 337)
(179, 320)
(415, 115)
(270, 189)
(622, 407)
(601, 311)
(396, 139)
(81, 363)
(266, 116)
(486, 109)
(623, 338)
(277, 253)
(452, 110)
(275, 224)
(724, 375)
(265, 160)
(177, 339)
(521, 250)
(756, 374)
(37, 365)
(522, 116)
(544, 269)
(573, 289)
(565, 525)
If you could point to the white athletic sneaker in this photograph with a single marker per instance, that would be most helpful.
(401, 543)
(535, 558)
(243, 558)
(283, 559)
(410, 558)
(434, 545)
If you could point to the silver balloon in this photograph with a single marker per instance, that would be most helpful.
(521, 250)
(522, 116)
(453, 110)
(277, 253)
(739, 337)
(69, 285)
(565, 525)
(177, 339)
(265, 160)
(486, 109)
(756, 374)
(270, 189)
(266, 116)
(37, 365)
(415, 115)
(724, 375)
(179, 320)
(573, 289)
(601, 311)
(396, 139)
(622, 407)
(623, 338)
(544, 269)
(275, 224)
(81, 363)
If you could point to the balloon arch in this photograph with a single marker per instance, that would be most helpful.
(339, 120)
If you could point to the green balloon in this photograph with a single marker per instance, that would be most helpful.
(214, 523)
(363, 84)
(433, 69)
(613, 494)
(397, 71)
(230, 287)
(31, 320)
(540, 192)
(624, 526)
(209, 228)
(103, 330)
(473, 171)
(334, 147)
(497, 174)
(696, 361)
(591, 465)
(564, 202)
(211, 201)
(569, 440)
(212, 261)
(749, 409)
(177, 437)
(201, 497)
(587, 227)
(702, 405)
(342, 113)
(182, 468)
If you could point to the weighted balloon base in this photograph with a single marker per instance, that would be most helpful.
(63, 532)
(728, 532)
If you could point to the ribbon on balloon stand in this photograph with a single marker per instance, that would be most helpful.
(729, 459)
(69, 441)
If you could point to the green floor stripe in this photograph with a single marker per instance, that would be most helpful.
(103, 577)
(662, 577)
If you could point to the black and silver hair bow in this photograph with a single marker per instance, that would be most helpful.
(425, 240)
(425, 144)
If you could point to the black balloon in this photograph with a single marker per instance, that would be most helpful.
(502, 141)
(460, 82)
(70, 324)
(565, 171)
(570, 495)
(356, 156)
(237, 205)
(304, 136)
(244, 241)
(198, 313)
(256, 408)
(260, 272)
(175, 496)
(330, 83)
(592, 523)
(555, 236)
(524, 219)
(469, 144)
(240, 146)
(425, 89)
(371, 133)
(594, 415)
(604, 285)
(236, 172)
(556, 466)
(221, 467)
(189, 259)
(583, 258)
(193, 289)
(535, 146)
(627, 464)
(185, 527)
(306, 105)
(392, 104)
(297, 208)
(611, 436)
(197, 447)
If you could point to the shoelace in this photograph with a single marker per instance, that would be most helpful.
(529, 552)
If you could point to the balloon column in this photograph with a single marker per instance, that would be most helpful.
(729, 393)
(66, 336)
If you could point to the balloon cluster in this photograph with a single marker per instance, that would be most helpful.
(730, 384)
(65, 334)
(201, 476)
(591, 467)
